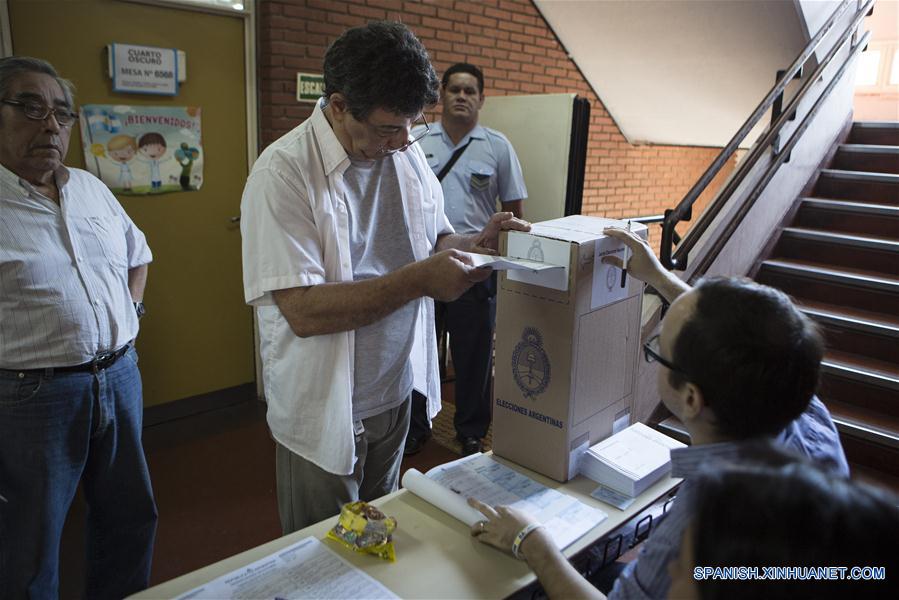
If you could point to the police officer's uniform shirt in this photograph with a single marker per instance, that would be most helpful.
(487, 171)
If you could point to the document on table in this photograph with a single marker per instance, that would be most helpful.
(307, 569)
(508, 263)
(481, 477)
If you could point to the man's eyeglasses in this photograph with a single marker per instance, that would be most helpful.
(384, 150)
(38, 111)
(651, 352)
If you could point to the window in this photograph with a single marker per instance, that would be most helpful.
(868, 68)
(894, 72)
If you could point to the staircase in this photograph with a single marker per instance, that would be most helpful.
(839, 259)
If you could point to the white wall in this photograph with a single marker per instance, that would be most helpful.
(743, 248)
(679, 72)
(815, 13)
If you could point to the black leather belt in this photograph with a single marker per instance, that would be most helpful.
(103, 360)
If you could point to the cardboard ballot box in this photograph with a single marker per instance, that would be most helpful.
(566, 345)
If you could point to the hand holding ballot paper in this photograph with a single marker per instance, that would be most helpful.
(510, 263)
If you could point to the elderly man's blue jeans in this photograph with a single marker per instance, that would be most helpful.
(56, 430)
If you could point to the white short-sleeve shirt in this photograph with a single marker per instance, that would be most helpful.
(488, 170)
(295, 233)
(64, 293)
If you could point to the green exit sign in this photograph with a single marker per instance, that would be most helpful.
(309, 87)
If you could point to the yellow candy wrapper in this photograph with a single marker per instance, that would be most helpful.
(365, 529)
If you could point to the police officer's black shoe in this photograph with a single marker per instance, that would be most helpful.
(414, 443)
(471, 445)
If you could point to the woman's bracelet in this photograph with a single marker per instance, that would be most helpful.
(519, 539)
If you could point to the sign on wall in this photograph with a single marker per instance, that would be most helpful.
(144, 69)
(309, 87)
(139, 150)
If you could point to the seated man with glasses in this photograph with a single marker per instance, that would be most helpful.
(73, 267)
(345, 244)
(739, 364)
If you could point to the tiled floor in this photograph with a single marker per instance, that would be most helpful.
(214, 479)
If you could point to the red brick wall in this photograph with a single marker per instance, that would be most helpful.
(519, 54)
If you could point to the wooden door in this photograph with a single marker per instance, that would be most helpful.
(197, 336)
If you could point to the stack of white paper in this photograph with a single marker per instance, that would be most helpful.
(631, 460)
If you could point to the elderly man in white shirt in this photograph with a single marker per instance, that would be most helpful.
(345, 244)
(73, 268)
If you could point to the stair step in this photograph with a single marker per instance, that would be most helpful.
(871, 386)
(863, 157)
(850, 206)
(845, 276)
(848, 319)
(869, 149)
(852, 421)
(875, 132)
(863, 397)
(873, 477)
(875, 373)
(863, 339)
(872, 461)
(860, 176)
(861, 186)
(813, 282)
(889, 125)
(879, 255)
(879, 402)
(857, 218)
(842, 239)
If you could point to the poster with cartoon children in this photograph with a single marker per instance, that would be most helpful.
(138, 150)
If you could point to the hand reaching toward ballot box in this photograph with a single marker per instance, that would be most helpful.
(644, 265)
(487, 242)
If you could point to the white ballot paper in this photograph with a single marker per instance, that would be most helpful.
(542, 250)
(307, 569)
(509, 263)
(607, 281)
(481, 477)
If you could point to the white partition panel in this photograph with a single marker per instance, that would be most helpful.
(539, 127)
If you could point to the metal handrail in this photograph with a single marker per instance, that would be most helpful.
(682, 212)
(780, 157)
(760, 148)
(647, 219)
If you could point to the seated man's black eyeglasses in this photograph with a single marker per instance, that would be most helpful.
(651, 352)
